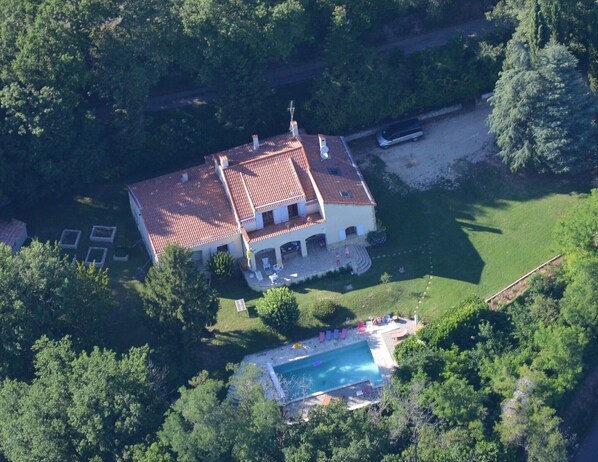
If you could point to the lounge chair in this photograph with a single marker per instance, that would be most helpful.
(328, 335)
(344, 333)
(369, 325)
(258, 275)
(266, 264)
(322, 336)
(336, 334)
(387, 319)
(360, 327)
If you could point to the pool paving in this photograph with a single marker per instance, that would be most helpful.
(378, 339)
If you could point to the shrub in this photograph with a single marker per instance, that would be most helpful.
(377, 237)
(278, 309)
(222, 265)
(385, 278)
(457, 326)
(324, 309)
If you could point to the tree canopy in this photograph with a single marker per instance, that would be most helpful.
(543, 113)
(178, 298)
(41, 293)
(86, 406)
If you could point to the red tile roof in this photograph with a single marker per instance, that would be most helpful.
(186, 213)
(12, 231)
(283, 170)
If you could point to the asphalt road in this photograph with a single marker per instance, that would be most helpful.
(300, 72)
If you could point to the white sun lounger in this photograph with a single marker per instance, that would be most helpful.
(258, 275)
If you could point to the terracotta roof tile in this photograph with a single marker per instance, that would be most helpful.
(187, 213)
(337, 178)
(11, 231)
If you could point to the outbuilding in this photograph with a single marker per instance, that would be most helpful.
(13, 233)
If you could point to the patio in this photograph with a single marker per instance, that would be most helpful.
(296, 269)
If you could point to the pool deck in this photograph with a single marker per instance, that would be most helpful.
(378, 338)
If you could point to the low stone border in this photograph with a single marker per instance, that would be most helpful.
(97, 264)
(100, 229)
(125, 258)
(66, 233)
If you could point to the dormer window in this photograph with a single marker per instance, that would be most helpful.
(334, 171)
(346, 194)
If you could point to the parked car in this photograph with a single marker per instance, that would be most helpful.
(406, 130)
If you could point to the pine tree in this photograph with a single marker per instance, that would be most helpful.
(543, 111)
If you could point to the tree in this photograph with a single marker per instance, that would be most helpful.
(41, 293)
(334, 433)
(278, 309)
(455, 401)
(543, 112)
(222, 265)
(78, 406)
(243, 427)
(579, 305)
(577, 232)
(177, 297)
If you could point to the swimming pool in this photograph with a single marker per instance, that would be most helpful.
(329, 370)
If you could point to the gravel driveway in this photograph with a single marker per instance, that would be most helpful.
(447, 142)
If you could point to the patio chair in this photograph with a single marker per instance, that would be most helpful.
(328, 335)
(258, 275)
(344, 333)
(322, 336)
(387, 319)
(336, 334)
(369, 325)
(266, 264)
(360, 327)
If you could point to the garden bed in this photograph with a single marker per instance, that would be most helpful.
(103, 234)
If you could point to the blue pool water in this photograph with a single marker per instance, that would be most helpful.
(325, 371)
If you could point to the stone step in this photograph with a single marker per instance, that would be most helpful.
(360, 259)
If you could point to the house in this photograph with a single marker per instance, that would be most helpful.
(13, 233)
(281, 197)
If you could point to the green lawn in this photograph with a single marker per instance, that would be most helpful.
(482, 236)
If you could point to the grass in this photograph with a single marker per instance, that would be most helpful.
(482, 236)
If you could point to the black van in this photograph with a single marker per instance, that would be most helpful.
(406, 130)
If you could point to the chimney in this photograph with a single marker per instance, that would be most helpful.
(184, 177)
(294, 129)
(256, 142)
(322, 139)
(223, 161)
(323, 148)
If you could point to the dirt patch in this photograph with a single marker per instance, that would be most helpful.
(449, 146)
(514, 291)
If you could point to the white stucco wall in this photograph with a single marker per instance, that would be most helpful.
(339, 217)
(235, 247)
(142, 229)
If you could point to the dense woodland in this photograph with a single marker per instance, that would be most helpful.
(474, 385)
(75, 76)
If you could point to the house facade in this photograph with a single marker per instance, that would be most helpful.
(284, 195)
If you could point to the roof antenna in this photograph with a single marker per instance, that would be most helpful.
(291, 110)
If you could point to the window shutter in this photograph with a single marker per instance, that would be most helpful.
(231, 248)
(342, 235)
(360, 230)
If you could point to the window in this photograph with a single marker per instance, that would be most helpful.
(351, 231)
(222, 248)
(268, 218)
(334, 171)
(346, 194)
(293, 211)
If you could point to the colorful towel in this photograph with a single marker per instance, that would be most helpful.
(322, 336)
